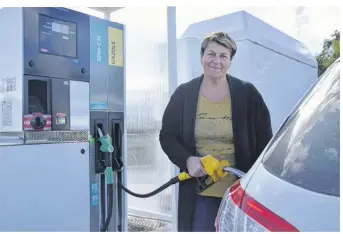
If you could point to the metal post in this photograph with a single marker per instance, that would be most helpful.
(172, 76)
(172, 49)
(124, 196)
(107, 15)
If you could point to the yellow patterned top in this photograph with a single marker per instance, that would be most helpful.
(213, 135)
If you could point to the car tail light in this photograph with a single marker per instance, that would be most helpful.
(240, 212)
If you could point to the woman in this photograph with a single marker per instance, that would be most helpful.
(215, 114)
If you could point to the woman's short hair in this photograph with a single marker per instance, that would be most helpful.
(221, 38)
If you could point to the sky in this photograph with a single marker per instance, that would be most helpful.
(310, 25)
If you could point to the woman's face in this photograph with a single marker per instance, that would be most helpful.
(216, 60)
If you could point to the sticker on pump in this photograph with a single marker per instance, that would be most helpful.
(60, 118)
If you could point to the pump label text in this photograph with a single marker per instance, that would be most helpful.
(98, 49)
(95, 194)
(115, 47)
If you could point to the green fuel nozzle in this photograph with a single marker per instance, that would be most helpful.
(105, 141)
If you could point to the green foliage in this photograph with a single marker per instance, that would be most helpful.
(330, 52)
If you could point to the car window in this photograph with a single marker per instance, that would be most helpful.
(305, 151)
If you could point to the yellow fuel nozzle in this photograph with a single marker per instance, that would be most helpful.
(212, 166)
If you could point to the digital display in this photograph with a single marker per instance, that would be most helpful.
(57, 37)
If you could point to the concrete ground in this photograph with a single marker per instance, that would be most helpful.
(140, 224)
(166, 228)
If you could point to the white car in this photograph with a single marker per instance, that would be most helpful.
(294, 185)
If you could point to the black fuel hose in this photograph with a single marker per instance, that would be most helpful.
(109, 208)
(180, 177)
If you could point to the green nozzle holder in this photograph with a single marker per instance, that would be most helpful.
(106, 145)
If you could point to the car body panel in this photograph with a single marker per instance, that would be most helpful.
(304, 209)
(297, 175)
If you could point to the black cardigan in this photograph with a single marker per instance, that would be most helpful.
(251, 132)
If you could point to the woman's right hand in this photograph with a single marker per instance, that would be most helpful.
(194, 166)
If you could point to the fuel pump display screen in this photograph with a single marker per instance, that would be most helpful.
(57, 37)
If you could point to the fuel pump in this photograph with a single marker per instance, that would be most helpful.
(61, 121)
(107, 121)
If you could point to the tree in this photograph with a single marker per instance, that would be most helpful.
(330, 52)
